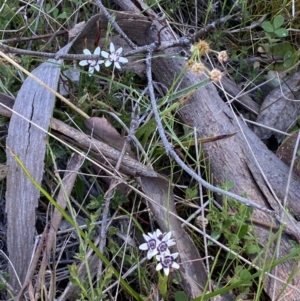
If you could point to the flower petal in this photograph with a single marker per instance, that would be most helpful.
(111, 47)
(118, 52)
(174, 255)
(175, 265)
(151, 253)
(97, 51)
(167, 271)
(108, 63)
(117, 65)
(123, 60)
(91, 70)
(158, 267)
(158, 233)
(83, 63)
(146, 237)
(97, 67)
(105, 54)
(152, 235)
(167, 236)
(143, 247)
(87, 52)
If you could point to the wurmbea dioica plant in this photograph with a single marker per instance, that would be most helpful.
(112, 57)
(157, 244)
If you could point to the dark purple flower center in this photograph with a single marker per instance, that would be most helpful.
(162, 247)
(151, 244)
(160, 237)
(167, 261)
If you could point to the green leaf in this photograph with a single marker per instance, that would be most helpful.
(216, 235)
(181, 296)
(227, 288)
(191, 193)
(62, 16)
(267, 26)
(243, 231)
(287, 55)
(281, 32)
(252, 249)
(278, 21)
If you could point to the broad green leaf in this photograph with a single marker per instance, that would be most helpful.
(243, 231)
(267, 26)
(287, 55)
(278, 21)
(181, 296)
(281, 32)
(252, 249)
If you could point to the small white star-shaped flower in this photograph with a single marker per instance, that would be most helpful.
(113, 56)
(150, 245)
(167, 262)
(164, 241)
(93, 64)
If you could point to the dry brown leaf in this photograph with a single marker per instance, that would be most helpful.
(104, 131)
(76, 30)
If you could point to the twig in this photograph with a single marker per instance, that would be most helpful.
(114, 24)
(203, 31)
(170, 150)
(182, 42)
(32, 38)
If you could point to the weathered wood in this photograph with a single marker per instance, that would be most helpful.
(34, 103)
(278, 111)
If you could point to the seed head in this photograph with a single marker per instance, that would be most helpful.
(215, 75)
(197, 68)
(223, 56)
(201, 48)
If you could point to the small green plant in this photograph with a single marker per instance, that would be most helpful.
(276, 47)
(234, 226)
(242, 273)
(275, 29)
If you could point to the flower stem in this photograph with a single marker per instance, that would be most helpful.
(163, 287)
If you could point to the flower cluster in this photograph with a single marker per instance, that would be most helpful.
(195, 64)
(113, 56)
(157, 244)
